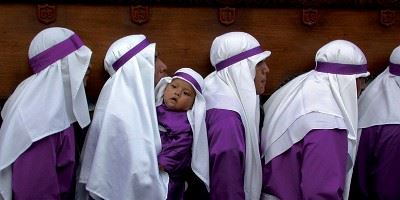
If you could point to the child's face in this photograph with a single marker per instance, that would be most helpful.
(179, 95)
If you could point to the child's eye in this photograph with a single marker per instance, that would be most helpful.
(187, 94)
(173, 86)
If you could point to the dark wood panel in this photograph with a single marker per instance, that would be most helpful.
(237, 3)
(184, 37)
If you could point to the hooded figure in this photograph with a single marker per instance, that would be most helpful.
(37, 143)
(120, 152)
(376, 173)
(233, 117)
(309, 132)
(183, 134)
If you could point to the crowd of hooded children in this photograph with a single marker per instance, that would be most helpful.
(155, 137)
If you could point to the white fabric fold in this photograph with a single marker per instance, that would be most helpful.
(379, 100)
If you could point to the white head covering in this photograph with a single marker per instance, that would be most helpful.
(324, 98)
(120, 153)
(379, 101)
(231, 87)
(48, 101)
(196, 117)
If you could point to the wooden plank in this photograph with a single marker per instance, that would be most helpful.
(371, 4)
(184, 37)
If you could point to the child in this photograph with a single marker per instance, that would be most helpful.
(181, 118)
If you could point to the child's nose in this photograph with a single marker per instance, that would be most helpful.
(178, 92)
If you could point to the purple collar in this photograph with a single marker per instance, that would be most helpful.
(54, 53)
(394, 69)
(128, 55)
(344, 69)
(174, 122)
(239, 57)
(189, 78)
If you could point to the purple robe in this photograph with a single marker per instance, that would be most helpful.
(226, 137)
(46, 170)
(376, 174)
(176, 153)
(313, 168)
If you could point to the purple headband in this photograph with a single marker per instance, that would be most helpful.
(54, 53)
(236, 58)
(336, 68)
(394, 69)
(190, 79)
(128, 55)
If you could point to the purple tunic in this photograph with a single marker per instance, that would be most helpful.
(376, 174)
(313, 168)
(176, 153)
(226, 137)
(46, 170)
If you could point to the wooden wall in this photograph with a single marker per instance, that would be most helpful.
(184, 37)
